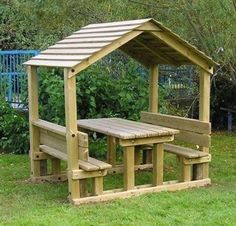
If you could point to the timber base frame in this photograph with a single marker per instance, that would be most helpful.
(141, 190)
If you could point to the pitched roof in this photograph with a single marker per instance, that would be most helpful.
(137, 38)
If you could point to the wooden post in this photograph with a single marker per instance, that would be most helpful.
(111, 150)
(202, 170)
(153, 103)
(128, 168)
(71, 132)
(97, 188)
(153, 89)
(158, 158)
(38, 168)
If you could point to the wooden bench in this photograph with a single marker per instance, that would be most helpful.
(88, 168)
(52, 139)
(191, 131)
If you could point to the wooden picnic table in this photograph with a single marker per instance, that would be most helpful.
(130, 134)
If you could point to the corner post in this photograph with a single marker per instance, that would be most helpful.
(71, 132)
(153, 103)
(202, 171)
(33, 116)
(153, 89)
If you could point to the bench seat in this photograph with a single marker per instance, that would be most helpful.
(91, 164)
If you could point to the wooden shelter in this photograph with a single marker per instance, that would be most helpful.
(151, 44)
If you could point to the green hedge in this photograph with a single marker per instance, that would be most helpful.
(14, 134)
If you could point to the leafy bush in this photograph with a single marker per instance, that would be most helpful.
(14, 134)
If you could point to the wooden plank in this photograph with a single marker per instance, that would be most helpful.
(61, 57)
(61, 130)
(107, 29)
(153, 89)
(197, 160)
(33, 115)
(81, 174)
(71, 132)
(87, 166)
(124, 129)
(79, 45)
(89, 40)
(41, 156)
(53, 152)
(157, 161)
(100, 164)
(141, 191)
(119, 23)
(81, 52)
(105, 34)
(129, 168)
(184, 152)
(120, 168)
(53, 140)
(50, 178)
(111, 150)
(194, 138)
(147, 140)
(176, 122)
(51, 63)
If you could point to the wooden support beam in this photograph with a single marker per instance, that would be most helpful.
(157, 160)
(140, 191)
(129, 168)
(153, 89)
(71, 132)
(56, 166)
(186, 171)
(158, 53)
(97, 188)
(111, 150)
(38, 168)
(202, 171)
(182, 49)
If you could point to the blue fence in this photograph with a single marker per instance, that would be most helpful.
(13, 74)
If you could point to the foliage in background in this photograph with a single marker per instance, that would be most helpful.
(209, 25)
(14, 134)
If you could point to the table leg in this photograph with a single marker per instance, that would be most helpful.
(157, 159)
(128, 168)
(111, 150)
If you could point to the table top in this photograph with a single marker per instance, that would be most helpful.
(124, 129)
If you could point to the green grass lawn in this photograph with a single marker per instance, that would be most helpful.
(24, 203)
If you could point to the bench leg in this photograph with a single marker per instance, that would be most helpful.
(147, 156)
(200, 171)
(157, 158)
(97, 186)
(56, 166)
(43, 167)
(137, 157)
(186, 171)
(111, 150)
(83, 188)
(128, 168)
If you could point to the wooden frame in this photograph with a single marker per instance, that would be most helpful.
(55, 143)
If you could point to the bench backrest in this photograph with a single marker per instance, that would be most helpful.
(54, 136)
(191, 130)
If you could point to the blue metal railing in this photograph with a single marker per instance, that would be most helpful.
(13, 74)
